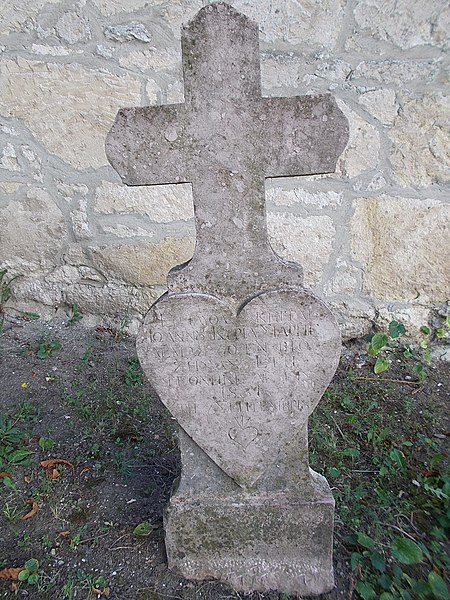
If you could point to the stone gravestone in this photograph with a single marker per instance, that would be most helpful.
(238, 350)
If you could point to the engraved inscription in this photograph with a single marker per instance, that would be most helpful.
(240, 377)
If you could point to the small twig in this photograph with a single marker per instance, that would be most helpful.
(97, 537)
(123, 548)
(387, 379)
(353, 580)
(338, 428)
(400, 530)
(118, 539)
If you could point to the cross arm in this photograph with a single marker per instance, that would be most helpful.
(150, 145)
(305, 135)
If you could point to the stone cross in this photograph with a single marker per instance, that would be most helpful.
(238, 350)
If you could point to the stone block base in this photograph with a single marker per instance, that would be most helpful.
(272, 542)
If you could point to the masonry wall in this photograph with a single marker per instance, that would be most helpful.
(373, 238)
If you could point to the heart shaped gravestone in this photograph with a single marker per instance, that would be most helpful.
(240, 380)
(237, 349)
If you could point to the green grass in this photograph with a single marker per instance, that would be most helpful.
(390, 486)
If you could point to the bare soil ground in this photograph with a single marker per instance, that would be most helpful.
(77, 395)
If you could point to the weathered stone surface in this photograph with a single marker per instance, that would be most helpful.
(237, 350)
(393, 269)
(162, 204)
(16, 13)
(125, 231)
(74, 129)
(32, 231)
(300, 196)
(398, 72)
(9, 187)
(284, 20)
(250, 377)
(292, 237)
(152, 59)
(112, 7)
(146, 264)
(233, 538)
(362, 151)
(405, 25)
(127, 32)
(86, 287)
(420, 153)
(381, 104)
(73, 27)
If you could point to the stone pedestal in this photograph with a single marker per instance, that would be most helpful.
(279, 536)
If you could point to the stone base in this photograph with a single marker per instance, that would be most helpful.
(271, 542)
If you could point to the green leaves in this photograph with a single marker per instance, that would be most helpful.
(438, 586)
(143, 529)
(396, 329)
(377, 343)
(381, 365)
(406, 551)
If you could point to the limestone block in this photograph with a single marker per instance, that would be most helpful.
(162, 203)
(398, 72)
(152, 59)
(381, 104)
(14, 14)
(73, 27)
(9, 187)
(362, 150)
(113, 7)
(303, 197)
(345, 281)
(32, 231)
(67, 285)
(279, 71)
(355, 317)
(125, 231)
(420, 152)
(8, 158)
(292, 237)
(402, 245)
(127, 32)
(146, 264)
(68, 107)
(403, 24)
(44, 49)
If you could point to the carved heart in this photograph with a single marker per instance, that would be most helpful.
(240, 383)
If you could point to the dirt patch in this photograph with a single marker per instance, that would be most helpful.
(78, 395)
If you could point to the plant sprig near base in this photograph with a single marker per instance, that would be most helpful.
(385, 346)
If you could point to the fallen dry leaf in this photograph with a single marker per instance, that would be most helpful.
(28, 479)
(11, 573)
(106, 592)
(49, 464)
(33, 511)
(3, 475)
(64, 533)
(53, 474)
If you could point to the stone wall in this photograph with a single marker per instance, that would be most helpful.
(372, 237)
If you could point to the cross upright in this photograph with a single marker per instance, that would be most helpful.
(225, 140)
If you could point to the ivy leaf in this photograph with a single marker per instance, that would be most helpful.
(396, 329)
(143, 529)
(406, 551)
(381, 365)
(364, 540)
(378, 562)
(377, 343)
(365, 591)
(399, 459)
(438, 586)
